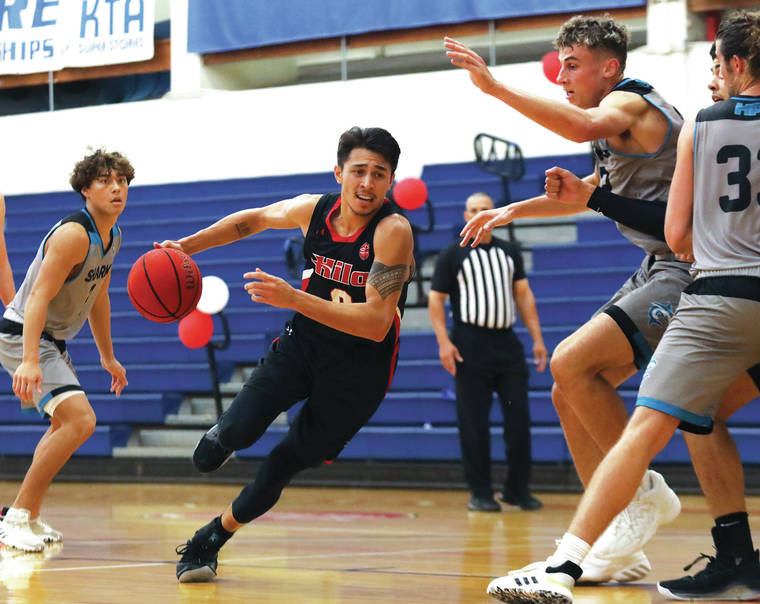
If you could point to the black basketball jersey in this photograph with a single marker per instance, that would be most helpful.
(337, 267)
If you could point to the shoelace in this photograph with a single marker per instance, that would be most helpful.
(193, 550)
(701, 556)
(188, 547)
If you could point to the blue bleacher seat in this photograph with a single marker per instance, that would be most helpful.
(417, 420)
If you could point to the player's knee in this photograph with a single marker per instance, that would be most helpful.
(650, 428)
(84, 424)
(560, 402)
(560, 364)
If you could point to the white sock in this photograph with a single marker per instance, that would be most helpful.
(645, 484)
(569, 548)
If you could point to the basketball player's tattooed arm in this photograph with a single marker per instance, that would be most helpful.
(679, 212)
(243, 229)
(388, 279)
(292, 213)
(393, 247)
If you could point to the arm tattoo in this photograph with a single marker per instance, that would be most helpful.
(243, 230)
(387, 279)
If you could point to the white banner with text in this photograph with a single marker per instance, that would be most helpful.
(47, 35)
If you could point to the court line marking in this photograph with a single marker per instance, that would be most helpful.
(104, 567)
(248, 560)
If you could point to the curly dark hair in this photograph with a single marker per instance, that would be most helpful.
(739, 35)
(99, 163)
(593, 33)
(376, 140)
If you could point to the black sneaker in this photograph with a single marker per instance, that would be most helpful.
(3, 512)
(722, 579)
(483, 504)
(525, 500)
(209, 454)
(197, 564)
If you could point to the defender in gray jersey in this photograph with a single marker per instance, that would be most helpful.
(722, 304)
(66, 284)
(634, 133)
(712, 339)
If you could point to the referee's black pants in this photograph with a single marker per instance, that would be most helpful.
(494, 361)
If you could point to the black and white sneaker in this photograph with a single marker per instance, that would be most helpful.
(721, 579)
(209, 454)
(197, 564)
(533, 583)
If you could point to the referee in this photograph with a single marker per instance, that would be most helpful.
(488, 288)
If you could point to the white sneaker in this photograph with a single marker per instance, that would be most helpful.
(44, 531)
(532, 584)
(623, 569)
(16, 532)
(632, 528)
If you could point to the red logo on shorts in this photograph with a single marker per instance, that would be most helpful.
(364, 251)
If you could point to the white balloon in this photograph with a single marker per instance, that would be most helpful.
(214, 296)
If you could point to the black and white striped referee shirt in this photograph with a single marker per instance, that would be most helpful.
(479, 282)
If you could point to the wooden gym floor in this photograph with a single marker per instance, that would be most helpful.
(318, 546)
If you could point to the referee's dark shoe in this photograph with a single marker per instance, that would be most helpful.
(209, 454)
(523, 499)
(483, 503)
(198, 562)
(723, 578)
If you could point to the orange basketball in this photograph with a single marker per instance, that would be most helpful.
(164, 285)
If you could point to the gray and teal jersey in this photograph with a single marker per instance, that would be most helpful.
(726, 228)
(641, 176)
(70, 307)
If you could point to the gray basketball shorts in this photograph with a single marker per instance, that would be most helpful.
(710, 341)
(645, 303)
(59, 380)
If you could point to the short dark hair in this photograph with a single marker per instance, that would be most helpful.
(594, 33)
(377, 140)
(94, 165)
(713, 52)
(739, 35)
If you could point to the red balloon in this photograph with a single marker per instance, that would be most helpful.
(551, 64)
(195, 329)
(410, 193)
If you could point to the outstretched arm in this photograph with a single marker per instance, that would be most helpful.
(616, 114)
(286, 214)
(640, 214)
(100, 325)
(679, 214)
(7, 289)
(371, 319)
(538, 207)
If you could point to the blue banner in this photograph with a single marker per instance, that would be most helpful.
(222, 25)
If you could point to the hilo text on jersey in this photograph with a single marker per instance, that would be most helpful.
(97, 273)
(749, 109)
(337, 270)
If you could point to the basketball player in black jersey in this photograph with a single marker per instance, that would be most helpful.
(338, 351)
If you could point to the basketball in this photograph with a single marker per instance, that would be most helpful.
(164, 285)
